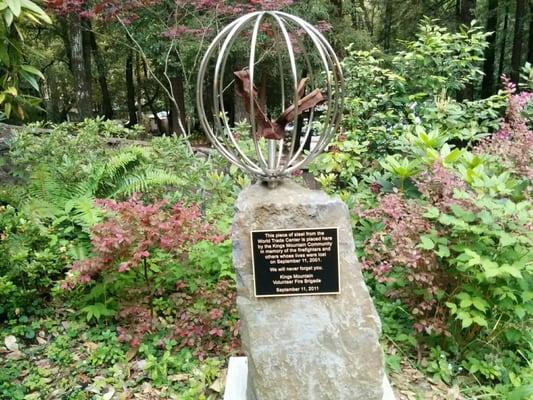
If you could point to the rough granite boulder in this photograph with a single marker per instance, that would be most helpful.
(305, 347)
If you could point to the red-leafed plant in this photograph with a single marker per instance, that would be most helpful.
(131, 234)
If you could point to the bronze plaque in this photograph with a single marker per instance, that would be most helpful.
(295, 262)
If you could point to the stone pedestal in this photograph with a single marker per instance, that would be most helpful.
(305, 347)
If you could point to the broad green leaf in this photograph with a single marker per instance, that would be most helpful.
(520, 312)
(8, 17)
(443, 251)
(512, 270)
(31, 80)
(14, 6)
(466, 322)
(426, 243)
(12, 91)
(432, 213)
(7, 109)
(465, 303)
(480, 303)
(32, 70)
(506, 239)
(473, 257)
(453, 156)
(463, 295)
(478, 319)
(490, 268)
(39, 12)
(452, 307)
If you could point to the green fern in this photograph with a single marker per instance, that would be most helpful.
(143, 181)
(83, 212)
(46, 187)
(126, 172)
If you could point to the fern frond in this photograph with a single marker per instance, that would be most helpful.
(45, 187)
(146, 180)
(38, 209)
(84, 212)
(118, 167)
(89, 186)
(125, 160)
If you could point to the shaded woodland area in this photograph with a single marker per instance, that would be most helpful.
(130, 59)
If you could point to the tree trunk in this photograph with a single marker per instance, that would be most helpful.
(530, 40)
(63, 29)
(516, 58)
(87, 59)
(465, 13)
(139, 90)
(366, 17)
(387, 25)
(503, 43)
(130, 91)
(466, 10)
(338, 8)
(177, 107)
(107, 107)
(79, 67)
(54, 98)
(487, 84)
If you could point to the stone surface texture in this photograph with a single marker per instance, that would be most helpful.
(305, 347)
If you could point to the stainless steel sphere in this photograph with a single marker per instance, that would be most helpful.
(304, 90)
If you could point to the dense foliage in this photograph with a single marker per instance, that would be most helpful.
(116, 275)
(95, 221)
(444, 217)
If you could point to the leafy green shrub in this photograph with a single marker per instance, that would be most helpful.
(388, 99)
(441, 191)
(33, 258)
(71, 145)
(456, 247)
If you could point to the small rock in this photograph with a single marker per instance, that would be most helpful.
(139, 365)
(41, 341)
(11, 343)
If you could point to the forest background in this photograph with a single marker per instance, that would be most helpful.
(128, 59)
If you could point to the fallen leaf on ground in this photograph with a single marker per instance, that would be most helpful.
(178, 377)
(109, 394)
(15, 355)
(217, 385)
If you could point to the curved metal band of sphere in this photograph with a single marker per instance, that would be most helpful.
(278, 162)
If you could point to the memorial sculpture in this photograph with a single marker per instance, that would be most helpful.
(309, 327)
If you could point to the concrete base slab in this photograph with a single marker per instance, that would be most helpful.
(237, 380)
